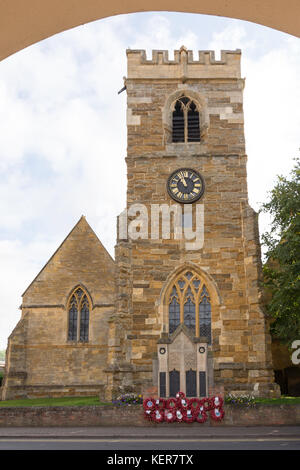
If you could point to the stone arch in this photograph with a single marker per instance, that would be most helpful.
(22, 24)
(86, 291)
(167, 110)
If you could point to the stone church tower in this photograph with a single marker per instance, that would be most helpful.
(179, 307)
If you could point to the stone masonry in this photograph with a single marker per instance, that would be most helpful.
(230, 257)
(129, 296)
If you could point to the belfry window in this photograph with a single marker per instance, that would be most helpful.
(79, 313)
(185, 121)
(189, 303)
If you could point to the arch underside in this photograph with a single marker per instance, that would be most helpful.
(25, 23)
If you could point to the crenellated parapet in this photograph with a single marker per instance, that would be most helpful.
(183, 66)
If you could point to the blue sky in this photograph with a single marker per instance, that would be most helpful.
(63, 129)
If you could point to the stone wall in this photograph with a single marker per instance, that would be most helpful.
(229, 260)
(261, 415)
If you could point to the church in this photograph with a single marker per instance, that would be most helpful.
(179, 307)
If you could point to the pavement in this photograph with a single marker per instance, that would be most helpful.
(157, 432)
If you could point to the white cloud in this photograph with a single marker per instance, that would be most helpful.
(19, 263)
(271, 108)
(234, 36)
(159, 34)
(272, 119)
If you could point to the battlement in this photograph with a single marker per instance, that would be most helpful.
(183, 66)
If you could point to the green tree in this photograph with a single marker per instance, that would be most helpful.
(282, 268)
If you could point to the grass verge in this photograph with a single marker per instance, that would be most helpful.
(88, 401)
(61, 401)
(278, 401)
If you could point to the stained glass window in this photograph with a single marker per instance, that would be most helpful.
(79, 312)
(174, 315)
(205, 315)
(189, 310)
(189, 303)
(84, 319)
(73, 313)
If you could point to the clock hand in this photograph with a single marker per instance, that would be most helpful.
(183, 180)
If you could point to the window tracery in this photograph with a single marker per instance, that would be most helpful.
(189, 304)
(78, 313)
(185, 121)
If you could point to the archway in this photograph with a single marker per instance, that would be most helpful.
(25, 23)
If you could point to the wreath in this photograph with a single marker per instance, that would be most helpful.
(201, 416)
(217, 401)
(149, 404)
(179, 416)
(182, 403)
(171, 403)
(207, 403)
(217, 414)
(148, 414)
(194, 404)
(183, 409)
(160, 403)
(157, 416)
(170, 415)
(189, 415)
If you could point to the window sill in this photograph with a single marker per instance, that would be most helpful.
(77, 343)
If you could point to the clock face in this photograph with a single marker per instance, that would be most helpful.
(185, 185)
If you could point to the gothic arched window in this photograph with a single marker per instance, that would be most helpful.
(185, 121)
(79, 313)
(189, 303)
